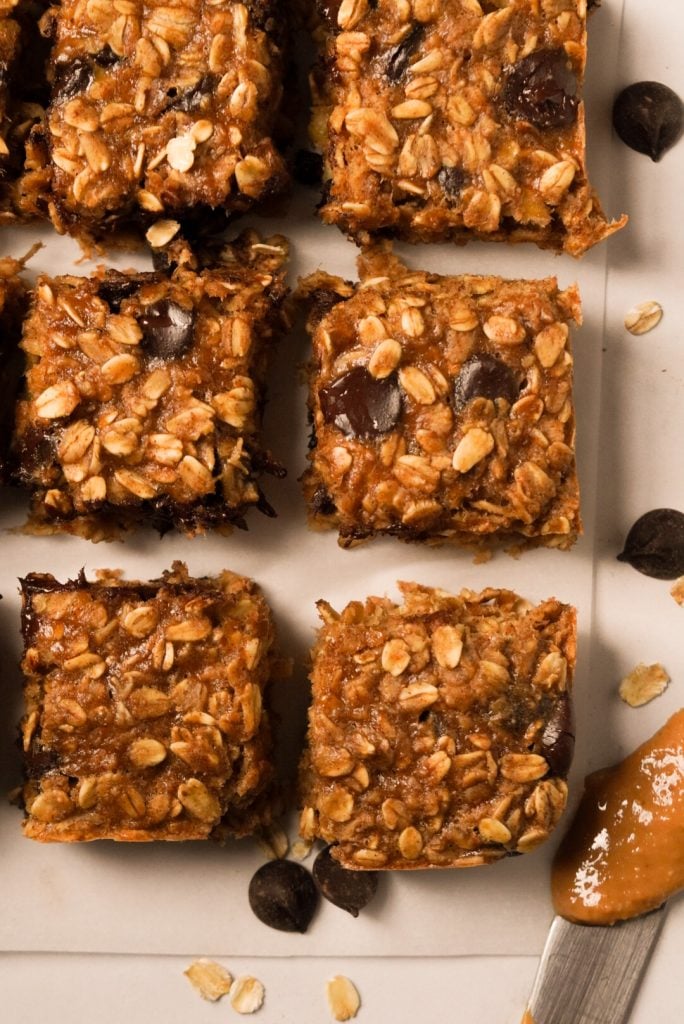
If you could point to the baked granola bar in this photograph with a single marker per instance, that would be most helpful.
(442, 407)
(143, 394)
(161, 108)
(13, 298)
(144, 715)
(455, 119)
(440, 730)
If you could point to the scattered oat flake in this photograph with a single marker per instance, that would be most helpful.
(343, 998)
(643, 684)
(247, 994)
(301, 848)
(210, 979)
(644, 317)
(274, 843)
(677, 590)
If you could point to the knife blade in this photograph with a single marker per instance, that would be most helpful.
(590, 974)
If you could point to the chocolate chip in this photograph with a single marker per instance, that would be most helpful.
(114, 289)
(360, 405)
(558, 738)
(72, 78)
(106, 57)
(655, 544)
(485, 376)
(308, 168)
(191, 99)
(453, 180)
(350, 890)
(167, 329)
(648, 117)
(395, 61)
(542, 89)
(282, 894)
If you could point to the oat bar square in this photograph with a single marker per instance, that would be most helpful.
(455, 119)
(162, 108)
(442, 407)
(144, 715)
(143, 393)
(440, 730)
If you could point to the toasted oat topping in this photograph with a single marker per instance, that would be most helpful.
(144, 707)
(643, 684)
(143, 391)
(442, 407)
(453, 761)
(456, 120)
(157, 108)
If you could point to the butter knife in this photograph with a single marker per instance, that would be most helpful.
(590, 974)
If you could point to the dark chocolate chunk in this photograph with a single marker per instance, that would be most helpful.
(558, 738)
(395, 61)
(167, 329)
(485, 376)
(113, 290)
(648, 117)
(542, 89)
(282, 894)
(655, 544)
(453, 180)
(350, 890)
(321, 503)
(72, 77)
(308, 168)
(360, 405)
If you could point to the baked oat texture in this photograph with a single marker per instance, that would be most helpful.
(455, 119)
(442, 407)
(144, 707)
(440, 730)
(143, 393)
(158, 108)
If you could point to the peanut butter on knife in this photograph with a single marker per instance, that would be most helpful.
(624, 853)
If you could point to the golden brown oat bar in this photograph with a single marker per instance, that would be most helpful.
(440, 730)
(143, 394)
(144, 711)
(455, 119)
(162, 108)
(442, 407)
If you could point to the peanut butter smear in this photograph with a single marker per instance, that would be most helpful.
(624, 853)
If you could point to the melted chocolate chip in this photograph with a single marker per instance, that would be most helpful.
(395, 61)
(453, 180)
(655, 544)
(542, 89)
(113, 290)
(167, 329)
(106, 57)
(72, 78)
(282, 894)
(350, 890)
(360, 405)
(558, 738)
(648, 117)
(484, 376)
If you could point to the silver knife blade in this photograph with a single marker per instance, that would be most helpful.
(590, 974)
